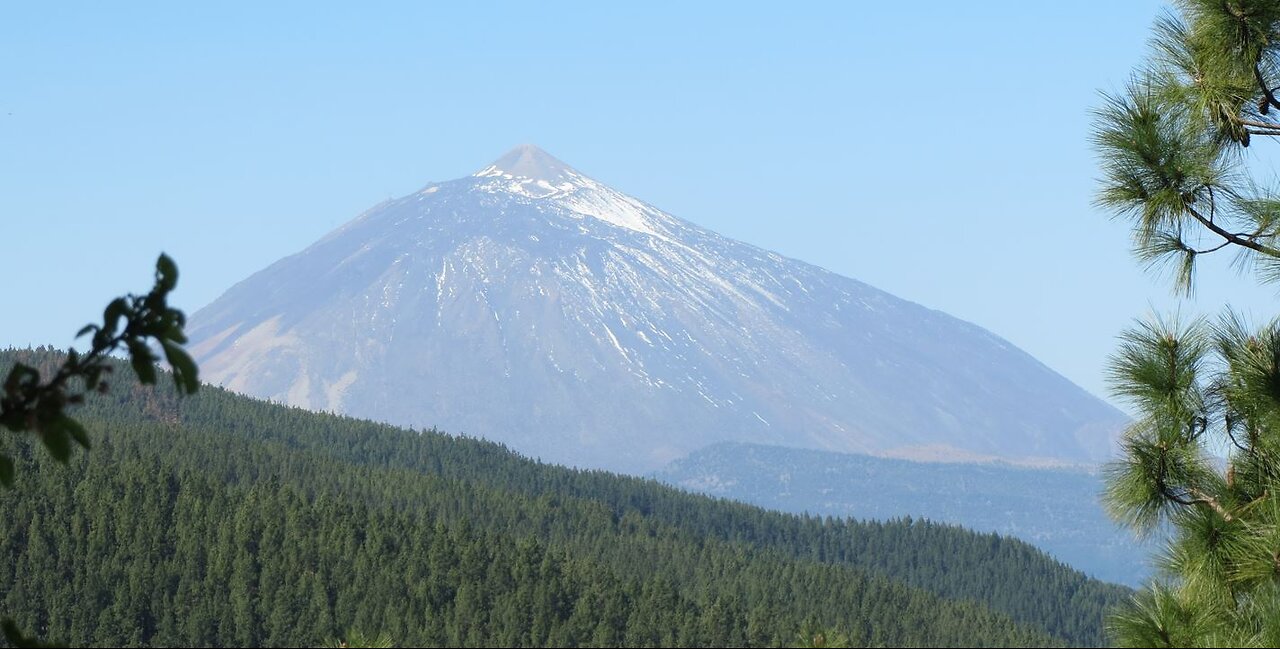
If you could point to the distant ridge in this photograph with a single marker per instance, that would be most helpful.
(1057, 509)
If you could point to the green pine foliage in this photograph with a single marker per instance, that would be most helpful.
(1200, 389)
(1173, 145)
(220, 520)
(1202, 461)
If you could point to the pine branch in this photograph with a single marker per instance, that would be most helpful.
(1267, 92)
(1239, 239)
(1273, 126)
(1216, 248)
(1198, 497)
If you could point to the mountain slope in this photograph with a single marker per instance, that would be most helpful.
(1055, 509)
(217, 520)
(532, 305)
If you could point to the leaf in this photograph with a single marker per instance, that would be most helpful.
(21, 377)
(76, 430)
(6, 471)
(92, 376)
(88, 329)
(14, 636)
(166, 273)
(111, 315)
(143, 361)
(185, 373)
(175, 332)
(57, 440)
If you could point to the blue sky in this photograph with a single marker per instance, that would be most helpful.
(937, 150)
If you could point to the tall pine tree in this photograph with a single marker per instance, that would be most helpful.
(1173, 154)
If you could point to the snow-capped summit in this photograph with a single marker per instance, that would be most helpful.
(533, 305)
(530, 172)
(528, 161)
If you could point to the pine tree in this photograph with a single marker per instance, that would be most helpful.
(1172, 148)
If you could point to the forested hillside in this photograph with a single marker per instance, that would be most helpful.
(219, 520)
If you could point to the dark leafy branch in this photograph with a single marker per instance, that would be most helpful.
(132, 324)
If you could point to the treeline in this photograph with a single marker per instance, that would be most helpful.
(219, 520)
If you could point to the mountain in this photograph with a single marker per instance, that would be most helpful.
(1056, 509)
(218, 520)
(534, 306)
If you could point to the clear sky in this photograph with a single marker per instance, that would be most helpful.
(937, 150)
